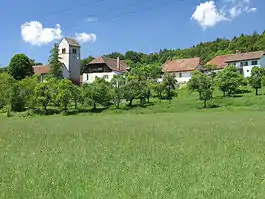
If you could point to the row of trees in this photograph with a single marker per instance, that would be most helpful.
(29, 93)
(228, 81)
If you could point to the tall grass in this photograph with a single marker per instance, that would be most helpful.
(200, 154)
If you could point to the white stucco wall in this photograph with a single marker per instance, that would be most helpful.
(74, 63)
(185, 76)
(261, 62)
(65, 72)
(64, 57)
(247, 69)
(70, 60)
(90, 77)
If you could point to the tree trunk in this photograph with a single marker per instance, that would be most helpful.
(131, 100)
(95, 107)
(205, 104)
(257, 91)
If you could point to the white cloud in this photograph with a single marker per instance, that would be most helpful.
(84, 37)
(252, 10)
(235, 11)
(91, 19)
(34, 33)
(208, 14)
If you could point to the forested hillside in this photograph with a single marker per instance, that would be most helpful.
(205, 50)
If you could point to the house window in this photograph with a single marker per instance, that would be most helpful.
(245, 63)
(180, 75)
(248, 71)
(105, 76)
(232, 64)
(74, 50)
(63, 51)
(254, 63)
(87, 77)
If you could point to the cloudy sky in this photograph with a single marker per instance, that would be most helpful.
(104, 26)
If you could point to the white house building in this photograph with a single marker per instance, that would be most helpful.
(244, 61)
(69, 53)
(182, 68)
(103, 67)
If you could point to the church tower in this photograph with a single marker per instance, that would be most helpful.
(69, 53)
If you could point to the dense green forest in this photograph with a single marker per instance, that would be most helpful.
(205, 50)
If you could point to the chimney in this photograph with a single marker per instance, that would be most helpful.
(118, 63)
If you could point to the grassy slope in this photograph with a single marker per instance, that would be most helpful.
(204, 154)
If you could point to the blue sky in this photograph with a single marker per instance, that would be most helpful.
(104, 26)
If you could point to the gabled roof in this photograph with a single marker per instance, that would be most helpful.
(219, 61)
(245, 56)
(111, 63)
(179, 65)
(72, 42)
(41, 69)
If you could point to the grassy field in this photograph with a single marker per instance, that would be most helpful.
(200, 154)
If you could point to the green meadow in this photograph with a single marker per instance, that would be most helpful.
(166, 150)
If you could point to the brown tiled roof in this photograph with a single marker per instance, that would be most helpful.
(245, 56)
(41, 69)
(219, 61)
(179, 65)
(72, 42)
(111, 63)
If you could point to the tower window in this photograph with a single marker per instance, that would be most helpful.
(74, 50)
(63, 51)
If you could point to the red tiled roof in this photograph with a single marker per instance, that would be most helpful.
(219, 61)
(41, 69)
(179, 65)
(245, 56)
(111, 63)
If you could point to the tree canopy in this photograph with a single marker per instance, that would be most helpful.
(20, 67)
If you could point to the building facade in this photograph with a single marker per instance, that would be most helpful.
(103, 67)
(182, 68)
(243, 61)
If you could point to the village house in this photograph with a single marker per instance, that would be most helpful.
(182, 68)
(69, 53)
(243, 61)
(103, 67)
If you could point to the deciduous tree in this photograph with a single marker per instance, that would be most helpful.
(20, 67)
(43, 94)
(201, 83)
(64, 94)
(170, 84)
(229, 80)
(256, 77)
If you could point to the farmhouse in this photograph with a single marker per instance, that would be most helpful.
(244, 61)
(182, 68)
(69, 53)
(103, 67)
